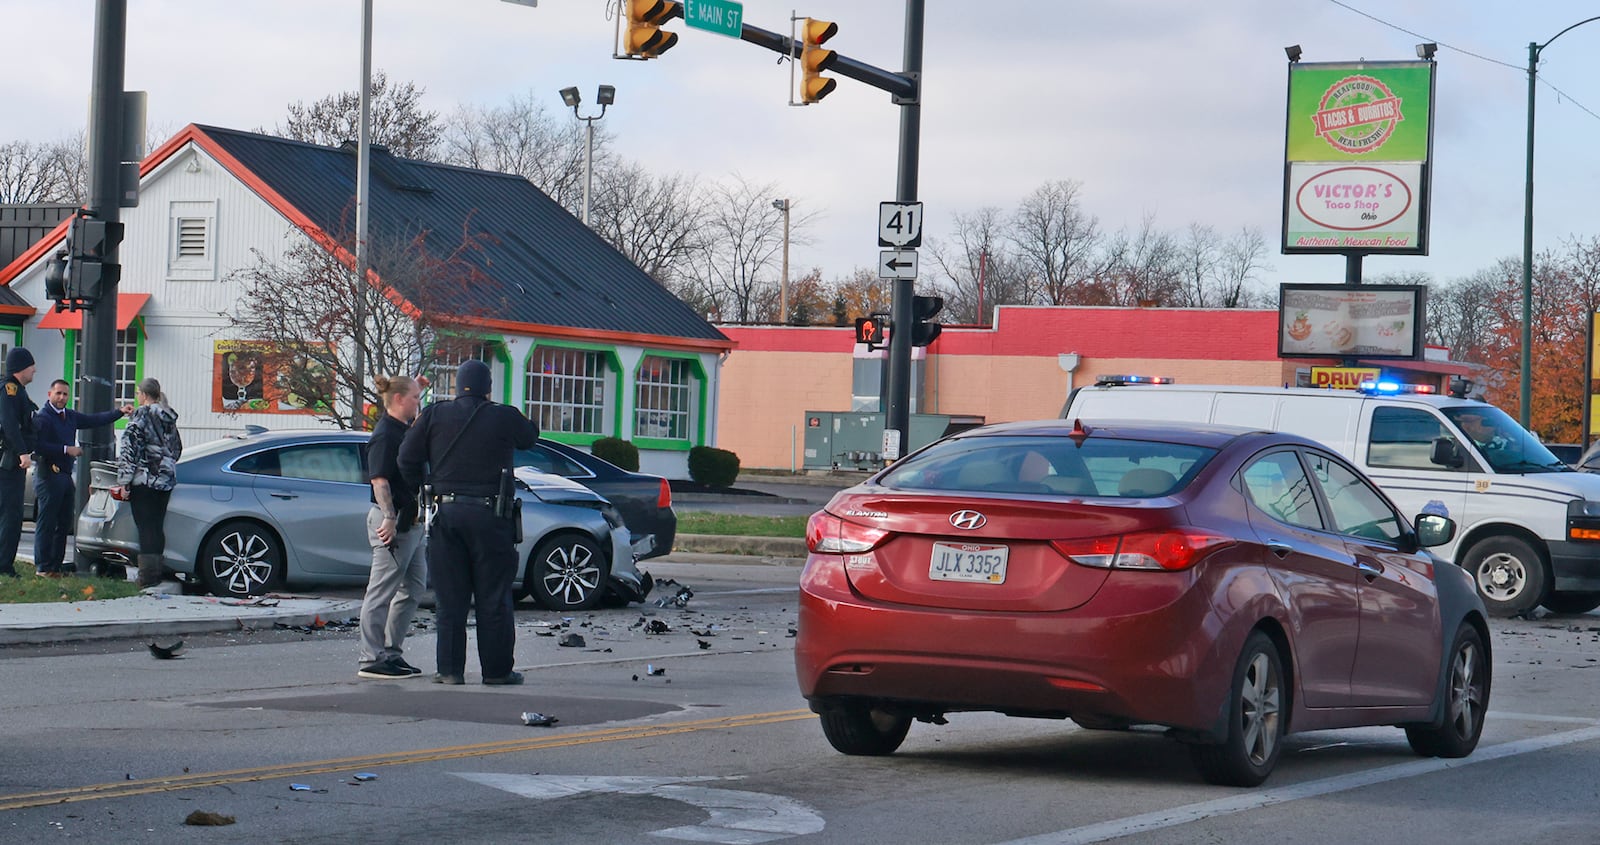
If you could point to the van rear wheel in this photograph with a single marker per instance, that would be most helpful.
(1510, 573)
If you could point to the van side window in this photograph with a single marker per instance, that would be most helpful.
(1277, 484)
(1356, 508)
(1402, 438)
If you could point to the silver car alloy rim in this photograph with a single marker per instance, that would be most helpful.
(1259, 703)
(1466, 698)
(571, 573)
(241, 563)
(1501, 576)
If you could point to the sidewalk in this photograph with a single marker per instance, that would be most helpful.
(160, 616)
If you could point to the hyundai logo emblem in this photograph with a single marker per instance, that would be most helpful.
(967, 520)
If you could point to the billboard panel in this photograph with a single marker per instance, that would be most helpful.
(1338, 321)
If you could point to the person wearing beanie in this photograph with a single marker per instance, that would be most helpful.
(463, 448)
(16, 452)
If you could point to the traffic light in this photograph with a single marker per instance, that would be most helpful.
(814, 60)
(55, 278)
(643, 37)
(869, 330)
(87, 274)
(923, 308)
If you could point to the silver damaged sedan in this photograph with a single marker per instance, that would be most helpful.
(260, 511)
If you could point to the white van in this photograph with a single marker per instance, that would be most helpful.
(1529, 525)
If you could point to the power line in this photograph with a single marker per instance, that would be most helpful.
(1397, 27)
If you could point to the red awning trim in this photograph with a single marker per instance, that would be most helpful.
(128, 306)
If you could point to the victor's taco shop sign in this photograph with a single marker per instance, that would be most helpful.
(1357, 157)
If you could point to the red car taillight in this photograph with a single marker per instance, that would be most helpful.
(1171, 549)
(829, 534)
(664, 498)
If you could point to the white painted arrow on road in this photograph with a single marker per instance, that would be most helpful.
(738, 817)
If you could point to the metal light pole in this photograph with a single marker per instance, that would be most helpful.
(606, 96)
(1534, 49)
(358, 411)
(783, 287)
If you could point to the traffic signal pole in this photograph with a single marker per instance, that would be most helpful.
(897, 386)
(99, 339)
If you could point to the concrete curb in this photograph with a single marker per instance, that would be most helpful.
(159, 618)
(737, 545)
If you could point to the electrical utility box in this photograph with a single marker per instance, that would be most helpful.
(854, 440)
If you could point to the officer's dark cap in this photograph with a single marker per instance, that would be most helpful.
(473, 379)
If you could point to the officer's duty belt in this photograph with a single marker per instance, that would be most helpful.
(458, 499)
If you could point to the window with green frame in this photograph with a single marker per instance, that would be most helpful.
(569, 390)
(130, 349)
(10, 338)
(442, 379)
(665, 397)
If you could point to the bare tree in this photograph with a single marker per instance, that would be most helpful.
(1056, 240)
(744, 238)
(304, 309)
(1142, 269)
(981, 270)
(33, 172)
(399, 122)
(1242, 261)
(1459, 315)
(524, 138)
(654, 220)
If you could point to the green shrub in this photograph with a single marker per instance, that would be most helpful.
(617, 451)
(713, 467)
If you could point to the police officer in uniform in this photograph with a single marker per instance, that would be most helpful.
(461, 447)
(16, 425)
(57, 427)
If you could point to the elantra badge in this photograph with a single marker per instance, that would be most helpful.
(967, 520)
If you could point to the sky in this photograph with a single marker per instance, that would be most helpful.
(1169, 108)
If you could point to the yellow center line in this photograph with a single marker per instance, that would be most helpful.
(176, 783)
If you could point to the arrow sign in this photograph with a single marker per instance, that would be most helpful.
(737, 817)
(897, 264)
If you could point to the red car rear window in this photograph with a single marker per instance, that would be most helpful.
(1101, 466)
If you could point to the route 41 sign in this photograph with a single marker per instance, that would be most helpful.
(900, 224)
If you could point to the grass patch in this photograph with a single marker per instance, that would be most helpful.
(27, 588)
(738, 525)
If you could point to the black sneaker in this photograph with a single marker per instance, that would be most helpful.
(383, 670)
(508, 680)
(401, 662)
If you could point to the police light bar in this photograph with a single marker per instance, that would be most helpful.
(1386, 387)
(1115, 381)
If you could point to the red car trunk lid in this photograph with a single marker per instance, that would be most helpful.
(1036, 577)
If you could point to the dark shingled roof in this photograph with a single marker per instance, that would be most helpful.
(540, 264)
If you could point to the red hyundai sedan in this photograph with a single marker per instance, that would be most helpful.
(1232, 585)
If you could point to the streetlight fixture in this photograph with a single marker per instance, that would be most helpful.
(1534, 49)
(604, 97)
(1293, 52)
(783, 288)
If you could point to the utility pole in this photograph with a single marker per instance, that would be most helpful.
(783, 287)
(358, 411)
(106, 145)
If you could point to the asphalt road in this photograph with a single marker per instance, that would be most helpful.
(103, 743)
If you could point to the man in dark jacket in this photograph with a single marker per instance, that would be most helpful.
(461, 447)
(57, 428)
(16, 453)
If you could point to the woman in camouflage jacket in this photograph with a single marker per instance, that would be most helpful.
(147, 470)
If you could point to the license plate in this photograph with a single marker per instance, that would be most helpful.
(977, 562)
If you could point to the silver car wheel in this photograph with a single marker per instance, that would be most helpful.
(1466, 692)
(570, 572)
(241, 558)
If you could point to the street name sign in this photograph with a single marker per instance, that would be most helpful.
(899, 224)
(724, 17)
(897, 264)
